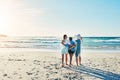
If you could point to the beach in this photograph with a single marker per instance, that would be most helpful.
(35, 35)
(46, 65)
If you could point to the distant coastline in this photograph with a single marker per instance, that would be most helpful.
(2, 35)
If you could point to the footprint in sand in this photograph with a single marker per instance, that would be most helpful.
(36, 62)
(4, 75)
(29, 73)
(33, 71)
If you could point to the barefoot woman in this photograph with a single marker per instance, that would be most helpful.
(78, 50)
(64, 50)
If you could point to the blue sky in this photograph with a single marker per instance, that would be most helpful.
(57, 17)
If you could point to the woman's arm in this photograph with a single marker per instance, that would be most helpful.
(80, 37)
(62, 42)
(72, 46)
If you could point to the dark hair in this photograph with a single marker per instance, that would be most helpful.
(64, 36)
(70, 38)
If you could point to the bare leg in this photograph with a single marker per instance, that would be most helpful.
(79, 60)
(69, 55)
(62, 60)
(70, 59)
(66, 59)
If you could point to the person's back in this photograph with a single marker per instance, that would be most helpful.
(72, 43)
(71, 49)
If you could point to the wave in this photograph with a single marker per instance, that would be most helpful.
(107, 41)
(116, 40)
(54, 43)
(103, 47)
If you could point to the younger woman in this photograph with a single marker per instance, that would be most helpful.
(64, 49)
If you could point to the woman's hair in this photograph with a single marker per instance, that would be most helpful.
(70, 38)
(64, 36)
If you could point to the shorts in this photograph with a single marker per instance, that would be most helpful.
(71, 52)
(64, 50)
(77, 53)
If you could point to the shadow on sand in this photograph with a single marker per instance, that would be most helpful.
(104, 75)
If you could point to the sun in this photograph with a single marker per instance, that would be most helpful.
(7, 10)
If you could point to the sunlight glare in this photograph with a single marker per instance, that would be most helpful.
(4, 21)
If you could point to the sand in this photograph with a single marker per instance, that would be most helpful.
(44, 65)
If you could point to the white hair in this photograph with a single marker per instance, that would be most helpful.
(78, 36)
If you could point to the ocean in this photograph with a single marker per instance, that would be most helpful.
(54, 43)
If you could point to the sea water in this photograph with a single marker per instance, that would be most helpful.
(54, 43)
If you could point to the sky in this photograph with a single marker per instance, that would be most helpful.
(58, 17)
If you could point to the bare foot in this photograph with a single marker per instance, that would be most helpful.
(80, 64)
(70, 65)
(62, 65)
(66, 64)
